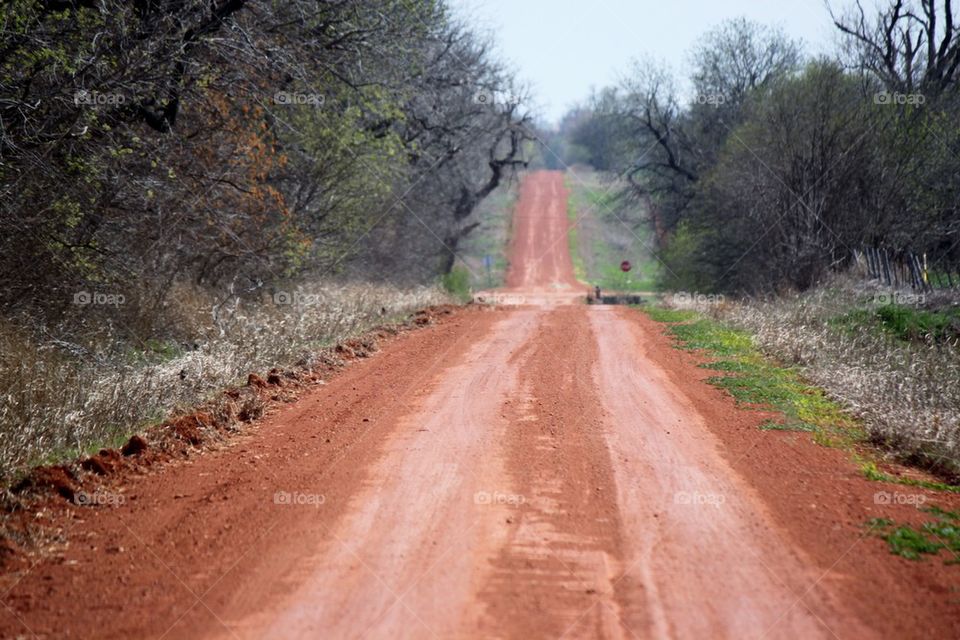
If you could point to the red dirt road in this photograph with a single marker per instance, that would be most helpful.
(539, 256)
(535, 471)
(541, 269)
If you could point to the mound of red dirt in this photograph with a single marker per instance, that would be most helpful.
(58, 479)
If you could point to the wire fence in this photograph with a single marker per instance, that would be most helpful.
(901, 269)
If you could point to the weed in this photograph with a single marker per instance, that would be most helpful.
(943, 532)
(457, 282)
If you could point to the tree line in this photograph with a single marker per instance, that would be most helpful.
(234, 144)
(768, 168)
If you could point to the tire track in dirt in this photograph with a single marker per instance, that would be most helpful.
(405, 560)
(703, 545)
(564, 548)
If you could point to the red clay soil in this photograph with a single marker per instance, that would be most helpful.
(167, 555)
(534, 471)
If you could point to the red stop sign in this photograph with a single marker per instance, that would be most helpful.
(625, 266)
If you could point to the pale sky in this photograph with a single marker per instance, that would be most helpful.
(562, 48)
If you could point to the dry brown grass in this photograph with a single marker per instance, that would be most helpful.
(60, 398)
(906, 392)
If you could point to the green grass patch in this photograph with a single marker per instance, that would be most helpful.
(660, 314)
(611, 277)
(903, 322)
(117, 438)
(907, 323)
(573, 238)
(713, 337)
(457, 282)
(871, 471)
(756, 382)
(943, 532)
(943, 279)
(599, 240)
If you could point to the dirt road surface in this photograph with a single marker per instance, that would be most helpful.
(537, 470)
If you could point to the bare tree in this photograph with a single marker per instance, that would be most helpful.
(909, 45)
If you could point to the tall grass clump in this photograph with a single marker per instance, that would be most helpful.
(63, 397)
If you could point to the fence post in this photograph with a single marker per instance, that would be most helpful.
(918, 277)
